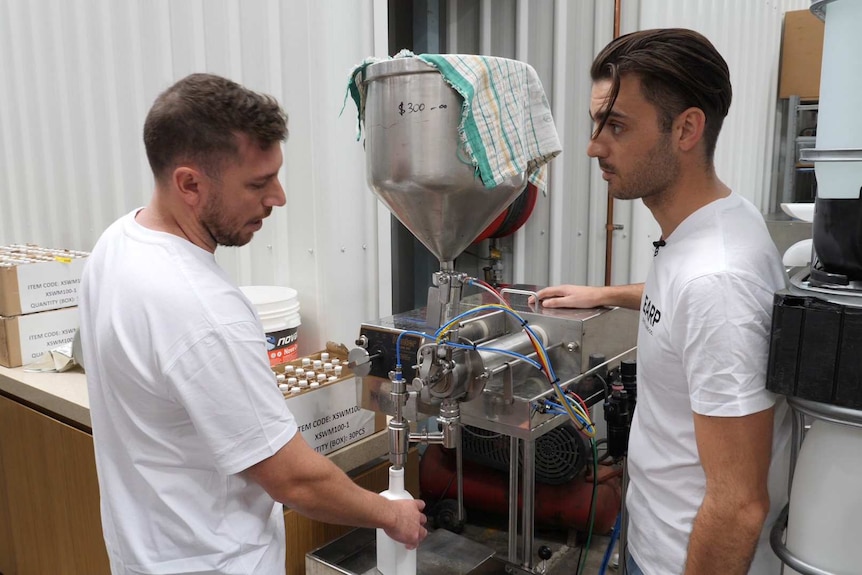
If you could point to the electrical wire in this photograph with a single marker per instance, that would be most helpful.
(514, 354)
(398, 347)
(569, 403)
(481, 435)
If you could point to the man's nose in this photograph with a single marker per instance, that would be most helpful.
(276, 198)
(596, 149)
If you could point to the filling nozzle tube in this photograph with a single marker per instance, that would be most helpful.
(399, 429)
(399, 433)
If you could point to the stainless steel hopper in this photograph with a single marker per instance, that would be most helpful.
(415, 159)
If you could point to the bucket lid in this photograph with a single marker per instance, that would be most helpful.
(270, 297)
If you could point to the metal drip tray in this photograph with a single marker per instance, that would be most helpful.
(442, 552)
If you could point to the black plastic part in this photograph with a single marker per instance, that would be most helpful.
(815, 350)
(618, 419)
(837, 236)
(545, 552)
(446, 516)
(560, 454)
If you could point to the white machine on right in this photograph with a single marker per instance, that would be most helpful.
(815, 354)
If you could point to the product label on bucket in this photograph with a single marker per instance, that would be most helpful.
(282, 345)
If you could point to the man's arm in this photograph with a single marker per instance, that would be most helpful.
(735, 453)
(628, 296)
(311, 484)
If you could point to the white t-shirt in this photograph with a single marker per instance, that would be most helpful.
(703, 343)
(182, 399)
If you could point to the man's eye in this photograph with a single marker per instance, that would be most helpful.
(616, 129)
(257, 186)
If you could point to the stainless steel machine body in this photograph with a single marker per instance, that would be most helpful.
(497, 392)
(416, 161)
(500, 391)
(480, 369)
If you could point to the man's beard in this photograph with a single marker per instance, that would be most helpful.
(651, 176)
(219, 225)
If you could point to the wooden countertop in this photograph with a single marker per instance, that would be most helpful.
(65, 395)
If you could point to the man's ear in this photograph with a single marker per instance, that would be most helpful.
(689, 126)
(190, 183)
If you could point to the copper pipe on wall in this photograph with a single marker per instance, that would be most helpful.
(609, 225)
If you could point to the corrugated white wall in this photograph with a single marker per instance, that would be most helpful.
(748, 35)
(564, 241)
(78, 76)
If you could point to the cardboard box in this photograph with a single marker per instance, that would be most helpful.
(34, 279)
(801, 54)
(24, 338)
(329, 416)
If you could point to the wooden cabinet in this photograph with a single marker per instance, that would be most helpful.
(49, 500)
(7, 547)
(48, 476)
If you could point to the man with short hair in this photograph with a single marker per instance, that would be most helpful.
(195, 447)
(708, 447)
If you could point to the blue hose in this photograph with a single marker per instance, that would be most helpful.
(615, 532)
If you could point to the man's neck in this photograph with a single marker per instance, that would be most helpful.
(159, 216)
(688, 194)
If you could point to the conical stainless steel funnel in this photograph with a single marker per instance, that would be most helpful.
(415, 161)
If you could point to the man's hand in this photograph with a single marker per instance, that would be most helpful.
(311, 484)
(409, 522)
(572, 296)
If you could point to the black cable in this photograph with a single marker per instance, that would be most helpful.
(477, 256)
(590, 511)
(474, 434)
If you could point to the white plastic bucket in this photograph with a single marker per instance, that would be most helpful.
(278, 310)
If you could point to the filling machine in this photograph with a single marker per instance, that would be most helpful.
(493, 360)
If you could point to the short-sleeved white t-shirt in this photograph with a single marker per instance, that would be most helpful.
(182, 399)
(703, 343)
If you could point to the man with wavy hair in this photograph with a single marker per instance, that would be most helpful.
(708, 445)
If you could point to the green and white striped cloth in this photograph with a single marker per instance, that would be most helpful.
(506, 125)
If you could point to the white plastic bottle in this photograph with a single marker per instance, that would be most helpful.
(393, 558)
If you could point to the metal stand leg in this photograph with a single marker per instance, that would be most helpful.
(529, 498)
(459, 470)
(513, 500)
(624, 519)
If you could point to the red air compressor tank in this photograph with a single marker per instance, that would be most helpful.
(557, 506)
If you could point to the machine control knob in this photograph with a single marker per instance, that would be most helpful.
(359, 361)
(545, 553)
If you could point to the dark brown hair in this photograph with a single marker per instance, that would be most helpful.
(678, 69)
(198, 118)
